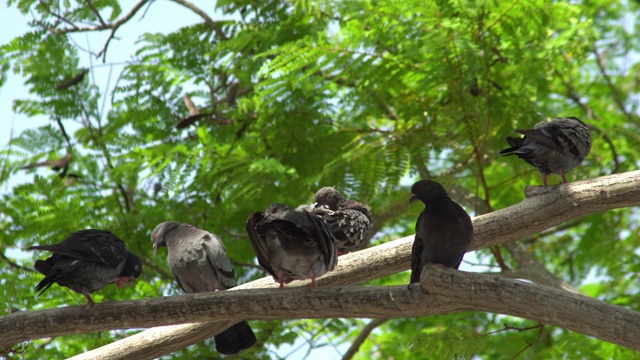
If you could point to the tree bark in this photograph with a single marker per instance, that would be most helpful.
(543, 207)
(441, 291)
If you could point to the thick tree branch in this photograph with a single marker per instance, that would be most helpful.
(551, 206)
(441, 291)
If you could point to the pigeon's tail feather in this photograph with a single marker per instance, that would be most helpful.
(515, 143)
(43, 285)
(44, 266)
(236, 338)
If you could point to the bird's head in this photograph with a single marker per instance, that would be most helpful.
(132, 266)
(329, 196)
(426, 190)
(159, 233)
(276, 211)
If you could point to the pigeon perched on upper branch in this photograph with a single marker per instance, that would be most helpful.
(199, 263)
(292, 244)
(553, 147)
(443, 230)
(348, 220)
(86, 261)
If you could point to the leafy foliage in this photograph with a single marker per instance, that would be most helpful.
(367, 96)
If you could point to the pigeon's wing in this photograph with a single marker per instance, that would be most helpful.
(325, 240)
(465, 231)
(193, 262)
(551, 135)
(99, 246)
(219, 261)
(416, 256)
(258, 242)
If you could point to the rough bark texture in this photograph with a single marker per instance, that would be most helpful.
(542, 209)
(441, 291)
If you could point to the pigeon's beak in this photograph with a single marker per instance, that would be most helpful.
(155, 249)
(413, 198)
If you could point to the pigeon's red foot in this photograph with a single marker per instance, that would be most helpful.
(313, 279)
(281, 279)
(88, 297)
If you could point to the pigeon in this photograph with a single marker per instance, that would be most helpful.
(292, 244)
(73, 81)
(199, 263)
(553, 147)
(349, 221)
(443, 230)
(86, 261)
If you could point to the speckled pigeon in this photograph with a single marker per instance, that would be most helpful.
(199, 263)
(292, 244)
(553, 147)
(348, 220)
(443, 230)
(86, 261)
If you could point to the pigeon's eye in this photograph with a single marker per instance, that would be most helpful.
(274, 210)
(155, 235)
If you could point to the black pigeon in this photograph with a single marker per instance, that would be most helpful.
(348, 220)
(553, 147)
(86, 261)
(443, 230)
(292, 244)
(199, 263)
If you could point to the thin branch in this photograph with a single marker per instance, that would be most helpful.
(362, 337)
(214, 25)
(96, 12)
(14, 264)
(552, 205)
(608, 140)
(113, 25)
(612, 87)
(61, 18)
(64, 134)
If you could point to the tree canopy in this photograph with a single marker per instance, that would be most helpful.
(268, 101)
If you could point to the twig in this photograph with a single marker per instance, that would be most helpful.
(114, 25)
(608, 140)
(529, 345)
(206, 18)
(64, 134)
(362, 337)
(13, 264)
(612, 87)
(95, 11)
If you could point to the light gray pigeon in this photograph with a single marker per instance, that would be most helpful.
(86, 261)
(199, 263)
(553, 147)
(292, 244)
(349, 221)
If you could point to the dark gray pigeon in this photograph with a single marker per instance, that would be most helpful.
(86, 261)
(199, 263)
(553, 147)
(292, 244)
(443, 230)
(348, 220)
